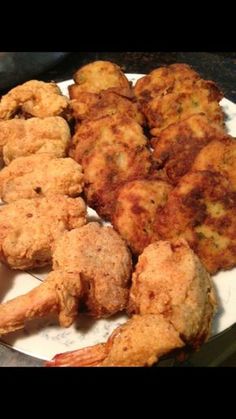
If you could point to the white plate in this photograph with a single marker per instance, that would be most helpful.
(44, 338)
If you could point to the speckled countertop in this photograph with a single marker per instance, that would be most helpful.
(220, 67)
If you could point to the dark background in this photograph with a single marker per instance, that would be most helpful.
(217, 66)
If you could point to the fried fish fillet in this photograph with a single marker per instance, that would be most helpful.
(34, 98)
(219, 156)
(202, 97)
(177, 146)
(164, 80)
(202, 209)
(107, 103)
(40, 175)
(111, 150)
(19, 137)
(174, 299)
(135, 211)
(98, 76)
(30, 227)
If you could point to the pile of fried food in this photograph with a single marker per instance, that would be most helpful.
(169, 193)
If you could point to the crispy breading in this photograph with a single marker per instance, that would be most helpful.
(104, 261)
(98, 76)
(19, 137)
(30, 227)
(34, 98)
(177, 146)
(202, 209)
(111, 150)
(174, 299)
(94, 106)
(135, 210)
(164, 80)
(219, 156)
(40, 175)
(203, 97)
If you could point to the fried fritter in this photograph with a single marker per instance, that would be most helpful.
(34, 98)
(104, 262)
(175, 301)
(164, 80)
(111, 150)
(40, 175)
(20, 137)
(178, 145)
(219, 156)
(135, 210)
(98, 76)
(30, 227)
(95, 106)
(202, 209)
(203, 97)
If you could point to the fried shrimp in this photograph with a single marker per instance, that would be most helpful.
(177, 146)
(111, 150)
(92, 266)
(20, 137)
(173, 299)
(30, 227)
(40, 175)
(202, 209)
(94, 106)
(135, 211)
(33, 98)
(98, 76)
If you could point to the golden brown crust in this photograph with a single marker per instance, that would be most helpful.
(111, 150)
(135, 211)
(34, 136)
(177, 146)
(202, 209)
(30, 227)
(98, 76)
(33, 98)
(40, 175)
(103, 260)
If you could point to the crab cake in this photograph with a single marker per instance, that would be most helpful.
(95, 106)
(203, 97)
(98, 76)
(135, 211)
(178, 145)
(202, 209)
(29, 229)
(219, 156)
(34, 98)
(21, 137)
(111, 150)
(40, 175)
(164, 80)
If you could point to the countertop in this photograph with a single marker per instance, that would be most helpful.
(220, 67)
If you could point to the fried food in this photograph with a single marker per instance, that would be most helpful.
(174, 299)
(177, 146)
(34, 98)
(30, 227)
(92, 266)
(219, 156)
(111, 150)
(203, 97)
(107, 103)
(20, 137)
(103, 260)
(40, 175)
(164, 80)
(202, 209)
(98, 76)
(135, 211)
